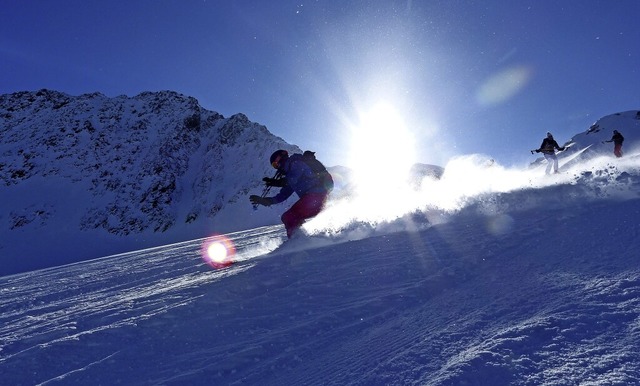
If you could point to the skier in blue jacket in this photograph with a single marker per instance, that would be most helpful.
(308, 184)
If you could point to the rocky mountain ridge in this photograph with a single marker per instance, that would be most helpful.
(139, 156)
(125, 165)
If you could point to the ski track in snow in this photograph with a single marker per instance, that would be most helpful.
(452, 304)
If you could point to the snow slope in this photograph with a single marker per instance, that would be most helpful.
(538, 285)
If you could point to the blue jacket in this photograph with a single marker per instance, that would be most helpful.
(300, 179)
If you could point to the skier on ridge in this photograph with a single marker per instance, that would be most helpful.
(617, 140)
(305, 176)
(548, 149)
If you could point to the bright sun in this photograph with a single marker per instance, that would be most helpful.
(381, 145)
(382, 153)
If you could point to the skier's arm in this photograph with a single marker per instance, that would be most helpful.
(257, 200)
(556, 146)
(542, 146)
(282, 195)
(293, 176)
(277, 182)
(538, 150)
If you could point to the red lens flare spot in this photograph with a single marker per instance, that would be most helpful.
(218, 251)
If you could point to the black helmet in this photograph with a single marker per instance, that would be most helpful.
(278, 157)
(549, 135)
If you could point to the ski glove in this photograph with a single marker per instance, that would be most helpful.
(277, 182)
(257, 200)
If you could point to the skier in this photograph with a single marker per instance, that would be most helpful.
(548, 149)
(617, 140)
(296, 175)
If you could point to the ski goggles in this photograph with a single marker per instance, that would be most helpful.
(276, 162)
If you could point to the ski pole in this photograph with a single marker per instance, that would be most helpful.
(267, 188)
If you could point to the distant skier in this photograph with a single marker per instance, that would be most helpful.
(617, 140)
(305, 176)
(548, 149)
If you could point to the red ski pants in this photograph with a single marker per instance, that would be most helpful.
(617, 150)
(306, 207)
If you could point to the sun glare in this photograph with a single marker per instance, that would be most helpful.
(382, 153)
(381, 146)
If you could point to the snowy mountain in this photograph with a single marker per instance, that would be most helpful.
(89, 176)
(123, 173)
(532, 281)
(590, 143)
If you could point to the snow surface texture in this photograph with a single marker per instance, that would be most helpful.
(535, 287)
(534, 283)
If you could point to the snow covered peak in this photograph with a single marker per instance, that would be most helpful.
(627, 123)
(105, 168)
(591, 143)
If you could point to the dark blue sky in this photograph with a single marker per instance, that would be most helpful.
(455, 77)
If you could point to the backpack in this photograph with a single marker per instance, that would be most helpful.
(309, 158)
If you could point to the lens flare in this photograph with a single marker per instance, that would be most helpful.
(503, 85)
(218, 251)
